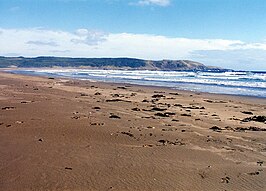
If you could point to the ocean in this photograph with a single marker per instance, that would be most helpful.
(232, 83)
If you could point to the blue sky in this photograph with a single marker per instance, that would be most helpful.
(226, 33)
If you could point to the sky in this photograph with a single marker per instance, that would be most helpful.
(224, 33)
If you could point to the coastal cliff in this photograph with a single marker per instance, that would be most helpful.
(103, 63)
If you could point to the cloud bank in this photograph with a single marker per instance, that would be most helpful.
(86, 43)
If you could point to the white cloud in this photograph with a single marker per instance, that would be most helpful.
(89, 37)
(154, 2)
(86, 43)
(42, 43)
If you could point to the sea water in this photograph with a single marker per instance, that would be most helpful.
(234, 83)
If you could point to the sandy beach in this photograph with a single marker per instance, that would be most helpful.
(64, 134)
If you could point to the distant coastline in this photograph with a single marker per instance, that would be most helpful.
(177, 74)
(105, 63)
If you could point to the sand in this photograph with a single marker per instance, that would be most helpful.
(63, 134)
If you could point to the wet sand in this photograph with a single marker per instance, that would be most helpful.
(63, 134)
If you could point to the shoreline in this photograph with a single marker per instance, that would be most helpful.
(66, 134)
(135, 84)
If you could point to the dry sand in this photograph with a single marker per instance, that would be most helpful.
(63, 134)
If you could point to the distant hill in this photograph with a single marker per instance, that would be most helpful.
(103, 63)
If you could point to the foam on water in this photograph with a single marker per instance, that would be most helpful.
(239, 83)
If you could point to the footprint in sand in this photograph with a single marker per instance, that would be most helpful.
(225, 179)
(113, 116)
(8, 108)
(127, 133)
(97, 108)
